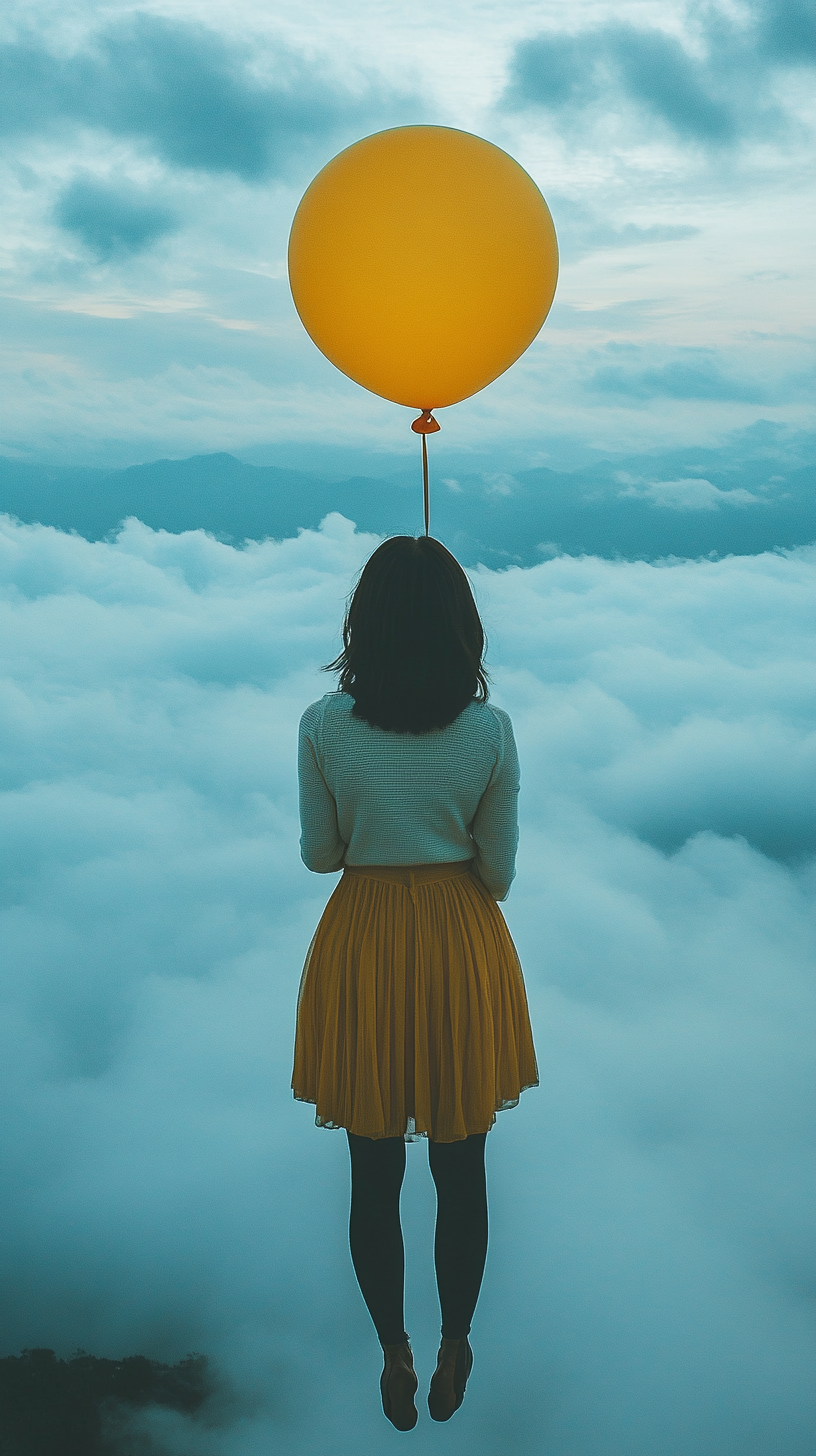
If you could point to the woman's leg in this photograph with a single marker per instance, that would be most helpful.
(375, 1233)
(460, 1247)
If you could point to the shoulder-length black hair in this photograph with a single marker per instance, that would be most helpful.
(413, 640)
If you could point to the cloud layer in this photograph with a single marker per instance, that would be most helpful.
(650, 1257)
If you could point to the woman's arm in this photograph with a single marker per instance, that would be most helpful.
(321, 847)
(495, 823)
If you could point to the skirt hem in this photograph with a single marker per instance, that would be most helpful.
(413, 1134)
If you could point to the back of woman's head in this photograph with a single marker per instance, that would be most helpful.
(413, 640)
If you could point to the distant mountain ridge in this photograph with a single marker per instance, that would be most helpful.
(689, 503)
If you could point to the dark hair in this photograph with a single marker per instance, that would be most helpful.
(413, 641)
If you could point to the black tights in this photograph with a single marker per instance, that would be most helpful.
(375, 1232)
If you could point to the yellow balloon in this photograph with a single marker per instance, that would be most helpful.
(423, 261)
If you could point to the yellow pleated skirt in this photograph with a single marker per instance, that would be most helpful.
(412, 1015)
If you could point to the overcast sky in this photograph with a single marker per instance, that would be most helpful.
(155, 155)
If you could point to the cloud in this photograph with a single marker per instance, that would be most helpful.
(182, 90)
(643, 684)
(711, 99)
(694, 493)
(788, 29)
(698, 376)
(658, 73)
(584, 228)
(650, 68)
(112, 221)
(652, 1197)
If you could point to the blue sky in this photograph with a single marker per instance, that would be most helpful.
(154, 158)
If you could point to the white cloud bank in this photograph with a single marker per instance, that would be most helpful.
(690, 494)
(650, 1266)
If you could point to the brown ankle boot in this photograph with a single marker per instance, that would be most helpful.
(398, 1385)
(453, 1366)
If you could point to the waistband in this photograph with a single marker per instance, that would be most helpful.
(410, 875)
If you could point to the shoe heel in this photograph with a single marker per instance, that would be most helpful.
(398, 1386)
(453, 1366)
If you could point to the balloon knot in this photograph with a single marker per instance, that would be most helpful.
(426, 424)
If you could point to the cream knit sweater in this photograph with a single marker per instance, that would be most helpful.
(370, 797)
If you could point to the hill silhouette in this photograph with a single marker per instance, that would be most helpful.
(688, 503)
(54, 1407)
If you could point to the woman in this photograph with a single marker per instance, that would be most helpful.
(412, 1015)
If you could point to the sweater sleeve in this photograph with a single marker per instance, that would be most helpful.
(495, 824)
(321, 847)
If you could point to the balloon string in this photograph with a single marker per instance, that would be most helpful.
(426, 495)
(425, 425)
